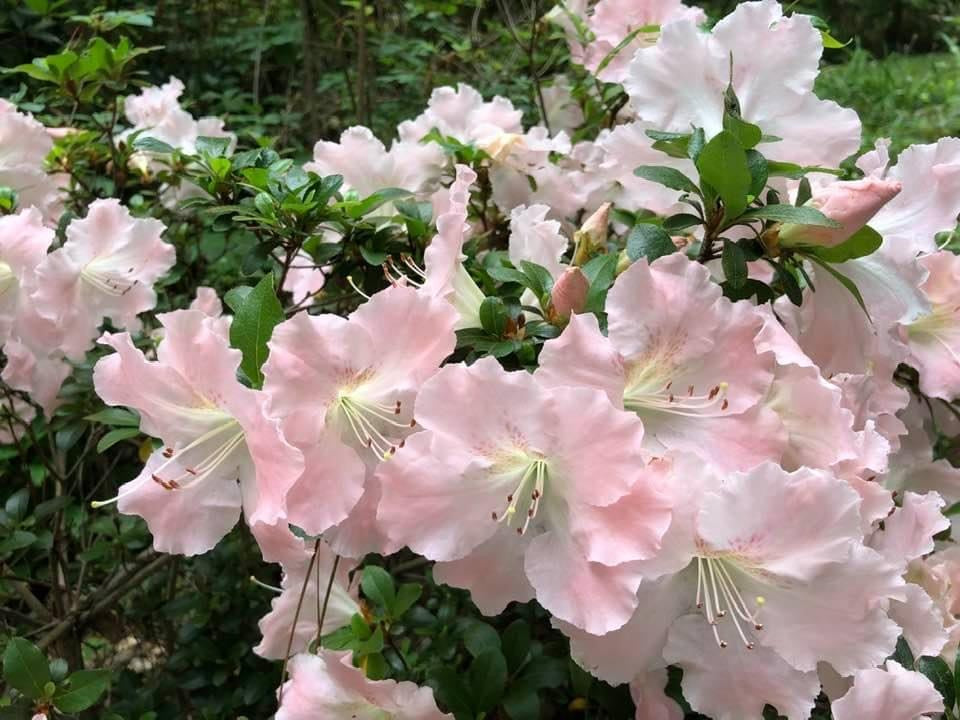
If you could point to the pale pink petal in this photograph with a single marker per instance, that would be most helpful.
(342, 604)
(923, 623)
(493, 573)
(929, 202)
(792, 525)
(536, 239)
(583, 355)
(908, 533)
(891, 694)
(333, 472)
(628, 652)
(588, 595)
(328, 686)
(652, 703)
(734, 683)
(362, 532)
(186, 521)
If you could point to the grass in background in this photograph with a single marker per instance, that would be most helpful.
(910, 98)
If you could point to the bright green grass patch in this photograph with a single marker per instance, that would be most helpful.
(909, 98)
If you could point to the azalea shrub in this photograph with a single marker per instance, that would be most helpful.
(639, 406)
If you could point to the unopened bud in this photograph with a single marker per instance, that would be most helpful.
(592, 236)
(851, 204)
(499, 146)
(570, 293)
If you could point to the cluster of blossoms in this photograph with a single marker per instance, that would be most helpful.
(743, 490)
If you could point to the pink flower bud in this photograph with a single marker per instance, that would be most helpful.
(852, 204)
(592, 237)
(570, 292)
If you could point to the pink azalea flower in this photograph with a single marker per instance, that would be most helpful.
(775, 64)
(294, 555)
(934, 337)
(462, 114)
(505, 459)
(762, 576)
(34, 359)
(345, 389)
(23, 245)
(835, 332)
(929, 202)
(689, 368)
(304, 279)
(106, 268)
(367, 166)
(157, 110)
(651, 701)
(852, 204)
(612, 21)
(563, 110)
(893, 693)
(15, 412)
(24, 145)
(444, 275)
(327, 686)
(536, 239)
(221, 452)
(625, 148)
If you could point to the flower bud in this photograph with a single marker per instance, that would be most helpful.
(852, 204)
(570, 292)
(592, 236)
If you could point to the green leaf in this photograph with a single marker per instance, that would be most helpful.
(790, 285)
(903, 654)
(516, 644)
(734, 264)
(377, 585)
(790, 214)
(804, 192)
(149, 144)
(522, 703)
(863, 242)
(493, 316)
(544, 672)
(213, 146)
(82, 690)
(25, 668)
(381, 197)
(486, 679)
(758, 172)
(17, 504)
(723, 164)
(116, 416)
(480, 637)
(375, 666)
(255, 316)
(795, 172)
(748, 134)
(668, 177)
(540, 279)
(697, 141)
(600, 272)
(407, 595)
(115, 436)
(831, 43)
(371, 645)
(938, 672)
(682, 221)
(649, 241)
(452, 691)
(51, 506)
